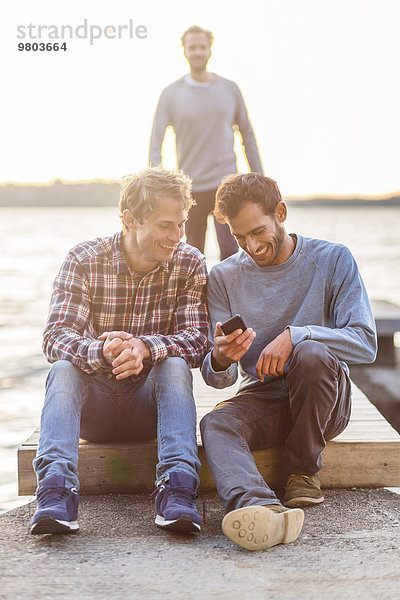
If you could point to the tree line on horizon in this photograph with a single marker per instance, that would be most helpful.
(106, 193)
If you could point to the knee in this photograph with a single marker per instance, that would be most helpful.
(311, 355)
(63, 366)
(63, 372)
(217, 420)
(206, 422)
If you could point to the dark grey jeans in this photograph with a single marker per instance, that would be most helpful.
(301, 410)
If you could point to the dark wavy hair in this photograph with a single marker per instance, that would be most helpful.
(239, 188)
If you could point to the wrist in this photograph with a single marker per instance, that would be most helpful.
(219, 362)
(142, 347)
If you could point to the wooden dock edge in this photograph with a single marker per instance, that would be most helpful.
(127, 468)
(365, 454)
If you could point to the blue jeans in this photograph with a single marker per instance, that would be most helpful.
(100, 408)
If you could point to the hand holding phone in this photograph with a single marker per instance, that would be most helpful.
(232, 324)
(225, 353)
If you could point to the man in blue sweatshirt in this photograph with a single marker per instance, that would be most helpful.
(308, 314)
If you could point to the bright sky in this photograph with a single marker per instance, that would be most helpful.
(320, 79)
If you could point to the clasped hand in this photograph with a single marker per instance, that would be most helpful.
(124, 353)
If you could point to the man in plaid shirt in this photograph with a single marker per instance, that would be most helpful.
(127, 321)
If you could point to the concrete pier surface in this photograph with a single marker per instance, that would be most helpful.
(349, 549)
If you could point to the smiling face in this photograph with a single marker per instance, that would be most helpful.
(261, 236)
(197, 51)
(148, 244)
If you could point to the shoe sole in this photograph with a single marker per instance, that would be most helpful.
(257, 527)
(182, 525)
(302, 501)
(47, 524)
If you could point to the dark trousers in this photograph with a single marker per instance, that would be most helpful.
(196, 225)
(302, 411)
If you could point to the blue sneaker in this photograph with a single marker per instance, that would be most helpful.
(176, 504)
(57, 507)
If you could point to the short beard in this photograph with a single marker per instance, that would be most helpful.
(279, 238)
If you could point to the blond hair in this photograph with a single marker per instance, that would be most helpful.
(140, 192)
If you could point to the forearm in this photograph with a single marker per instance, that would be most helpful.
(160, 123)
(350, 330)
(155, 157)
(61, 343)
(66, 334)
(352, 345)
(248, 138)
(252, 153)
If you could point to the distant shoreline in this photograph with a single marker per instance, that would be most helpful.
(106, 193)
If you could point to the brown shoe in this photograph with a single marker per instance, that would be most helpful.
(260, 527)
(302, 490)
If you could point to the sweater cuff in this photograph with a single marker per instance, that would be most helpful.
(218, 379)
(299, 334)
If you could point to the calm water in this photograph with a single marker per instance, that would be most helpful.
(33, 243)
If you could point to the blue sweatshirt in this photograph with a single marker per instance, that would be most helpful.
(318, 293)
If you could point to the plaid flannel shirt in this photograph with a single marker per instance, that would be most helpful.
(95, 291)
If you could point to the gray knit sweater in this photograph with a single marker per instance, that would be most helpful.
(318, 293)
(202, 117)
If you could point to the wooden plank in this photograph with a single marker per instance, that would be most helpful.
(105, 469)
(366, 454)
(102, 468)
(361, 464)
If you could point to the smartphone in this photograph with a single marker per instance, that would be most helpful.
(232, 324)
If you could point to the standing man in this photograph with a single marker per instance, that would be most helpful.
(127, 321)
(309, 315)
(203, 108)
